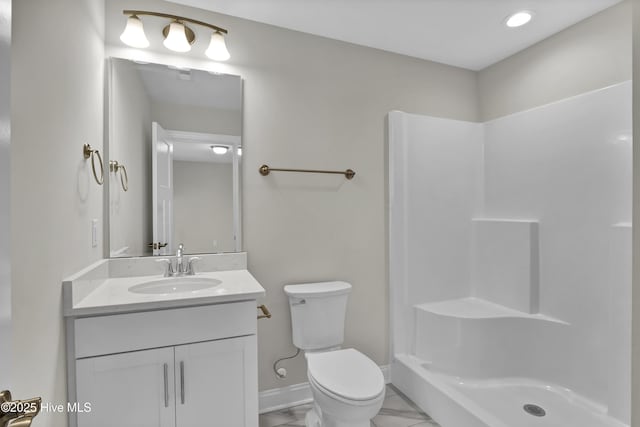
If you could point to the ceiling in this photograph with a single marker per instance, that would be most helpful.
(464, 33)
(191, 87)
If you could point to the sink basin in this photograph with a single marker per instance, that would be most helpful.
(174, 285)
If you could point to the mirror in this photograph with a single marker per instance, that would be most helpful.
(175, 150)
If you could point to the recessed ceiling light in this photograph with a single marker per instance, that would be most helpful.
(219, 149)
(518, 19)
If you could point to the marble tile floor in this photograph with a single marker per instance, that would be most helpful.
(397, 411)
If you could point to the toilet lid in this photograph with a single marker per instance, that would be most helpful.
(346, 373)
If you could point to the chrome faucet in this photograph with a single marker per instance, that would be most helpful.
(17, 413)
(182, 266)
(190, 271)
(180, 258)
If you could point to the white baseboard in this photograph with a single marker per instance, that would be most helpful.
(386, 372)
(294, 395)
(284, 397)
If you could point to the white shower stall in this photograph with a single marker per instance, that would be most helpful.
(510, 264)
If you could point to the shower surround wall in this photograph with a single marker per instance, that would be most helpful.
(510, 249)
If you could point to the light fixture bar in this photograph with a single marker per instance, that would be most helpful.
(175, 17)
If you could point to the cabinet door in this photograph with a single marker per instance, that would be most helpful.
(127, 390)
(217, 383)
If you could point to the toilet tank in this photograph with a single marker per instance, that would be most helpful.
(317, 314)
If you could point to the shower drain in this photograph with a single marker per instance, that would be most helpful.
(534, 410)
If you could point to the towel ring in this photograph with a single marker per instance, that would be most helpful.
(115, 166)
(90, 152)
(124, 178)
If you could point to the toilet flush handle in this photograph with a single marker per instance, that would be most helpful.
(300, 302)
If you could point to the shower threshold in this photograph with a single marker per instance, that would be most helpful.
(505, 402)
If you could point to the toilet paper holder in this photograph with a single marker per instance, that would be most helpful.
(266, 314)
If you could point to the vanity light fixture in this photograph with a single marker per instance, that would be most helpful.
(239, 151)
(178, 37)
(519, 19)
(133, 34)
(217, 49)
(219, 149)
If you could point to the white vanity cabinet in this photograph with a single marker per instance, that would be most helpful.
(183, 367)
(130, 389)
(217, 381)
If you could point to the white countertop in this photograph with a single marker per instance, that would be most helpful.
(112, 294)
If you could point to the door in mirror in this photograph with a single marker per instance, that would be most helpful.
(162, 190)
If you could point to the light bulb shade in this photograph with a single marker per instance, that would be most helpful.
(219, 149)
(239, 151)
(176, 40)
(217, 49)
(133, 34)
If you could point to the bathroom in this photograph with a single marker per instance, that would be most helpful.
(309, 102)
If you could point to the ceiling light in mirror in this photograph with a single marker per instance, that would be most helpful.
(219, 149)
(176, 39)
(519, 19)
(217, 49)
(133, 34)
(239, 151)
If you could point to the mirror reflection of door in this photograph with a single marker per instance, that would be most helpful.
(162, 190)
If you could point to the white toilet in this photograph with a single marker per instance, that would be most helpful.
(348, 388)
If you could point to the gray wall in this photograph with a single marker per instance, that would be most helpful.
(197, 119)
(592, 54)
(312, 102)
(5, 137)
(130, 145)
(635, 312)
(57, 83)
(203, 206)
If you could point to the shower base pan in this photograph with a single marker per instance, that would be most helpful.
(506, 402)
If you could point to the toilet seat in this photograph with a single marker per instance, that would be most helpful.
(346, 375)
(339, 399)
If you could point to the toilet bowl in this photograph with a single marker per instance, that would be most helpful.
(348, 388)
